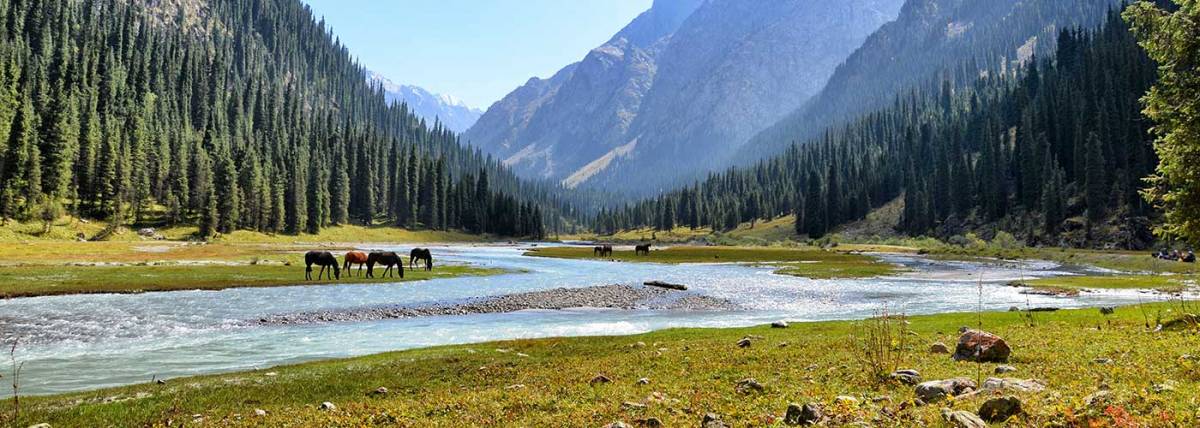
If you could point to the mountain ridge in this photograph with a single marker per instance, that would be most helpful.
(450, 111)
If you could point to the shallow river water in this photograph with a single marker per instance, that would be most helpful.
(71, 343)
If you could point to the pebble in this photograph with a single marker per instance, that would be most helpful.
(599, 379)
(41, 425)
(845, 400)
(1005, 369)
(744, 343)
(936, 390)
(1104, 361)
(260, 412)
(906, 376)
(643, 381)
(939, 348)
(650, 423)
(629, 405)
(381, 391)
(617, 424)
(328, 406)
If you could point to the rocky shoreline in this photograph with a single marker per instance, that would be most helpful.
(622, 297)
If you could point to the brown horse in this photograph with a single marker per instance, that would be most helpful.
(354, 258)
(422, 254)
(387, 259)
(643, 249)
(602, 251)
(324, 259)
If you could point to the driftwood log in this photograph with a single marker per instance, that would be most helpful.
(666, 285)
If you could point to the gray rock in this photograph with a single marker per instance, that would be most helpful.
(260, 412)
(643, 381)
(1005, 369)
(649, 423)
(962, 419)
(999, 409)
(939, 348)
(845, 399)
(1103, 361)
(381, 391)
(994, 384)
(1164, 387)
(712, 420)
(617, 424)
(1098, 399)
(907, 377)
(937, 390)
(599, 379)
(41, 425)
(808, 414)
(779, 324)
(629, 405)
(746, 386)
(744, 343)
(327, 406)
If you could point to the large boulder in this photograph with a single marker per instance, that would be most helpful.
(937, 390)
(981, 346)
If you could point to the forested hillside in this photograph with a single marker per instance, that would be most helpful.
(228, 114)
(953, 40)
(1053, 153)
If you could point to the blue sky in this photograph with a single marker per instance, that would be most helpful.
(475, 50)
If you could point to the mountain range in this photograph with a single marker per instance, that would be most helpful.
(694, 86)
(453, 113)
(680, 87)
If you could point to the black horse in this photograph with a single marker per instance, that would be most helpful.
(325, 260)
(422, 254)
(602, 251)
(387, 259)
(643, 249)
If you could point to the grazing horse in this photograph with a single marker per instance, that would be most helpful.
(388, 260)
(354, 258)
(324, 259)
(422, 254)
(643, 249)
(602, 251)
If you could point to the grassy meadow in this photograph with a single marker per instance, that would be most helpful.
(799, 261)
(1154, 379)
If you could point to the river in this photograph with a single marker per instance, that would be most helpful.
(81, 342)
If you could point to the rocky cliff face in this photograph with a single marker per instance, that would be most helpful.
(682, 86)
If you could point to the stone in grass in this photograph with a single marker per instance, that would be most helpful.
(41, 425)
(1099, 399)
(327, 406)
(1103, 361)
(906, 376)
(380, 391)
(599, 379)
(937, 390)
(649, 423)
(999, 409)
(643, 381)
(712, 420)
(1005, 369)
(807, 414)
(1011, 384)
(939, 348)
(779, 324)
(629, 405)
(981, 346)
(962, 419)
(749, 385)
(260, 412)
(617, 424)
(744, 343)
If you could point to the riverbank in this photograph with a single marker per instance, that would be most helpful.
(44, 268)
(679, 375)
(797, 261)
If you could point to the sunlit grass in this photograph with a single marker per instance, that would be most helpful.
(690, 372)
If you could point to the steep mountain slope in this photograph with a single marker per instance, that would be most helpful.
(956, 39)
(454, 114)
(683, 83)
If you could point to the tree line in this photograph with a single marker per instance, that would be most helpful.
(1053, 152)
(229, 115)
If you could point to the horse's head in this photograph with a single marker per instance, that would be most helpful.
(337, 272)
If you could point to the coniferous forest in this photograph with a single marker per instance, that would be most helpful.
(229, 115)
(1054, 153)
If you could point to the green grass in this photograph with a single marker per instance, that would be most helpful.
(806, 262)
(691, 371)
(1163, 283)
(41, 280)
